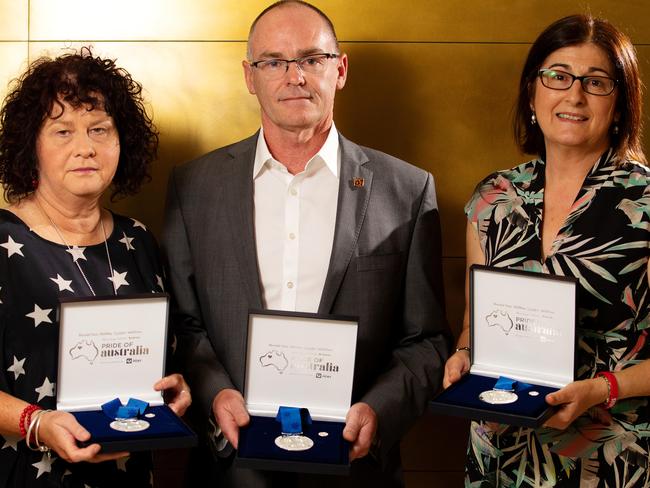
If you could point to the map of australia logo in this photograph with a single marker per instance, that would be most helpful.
(84, 349)
(274, 358)
(501, 319)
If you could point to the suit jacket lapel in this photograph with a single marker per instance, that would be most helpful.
(240, 211)
(351, 210)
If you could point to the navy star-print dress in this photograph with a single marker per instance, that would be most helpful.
(34, 273)
(605, 244)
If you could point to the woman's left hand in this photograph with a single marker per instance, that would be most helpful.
(176, 392)
(575, 399)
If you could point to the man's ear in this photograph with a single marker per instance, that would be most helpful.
(342, 68)
(248, 76)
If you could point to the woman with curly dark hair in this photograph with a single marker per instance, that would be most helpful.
(70, 128)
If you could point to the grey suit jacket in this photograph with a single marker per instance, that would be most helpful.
(384, 268)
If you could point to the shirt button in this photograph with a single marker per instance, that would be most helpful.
(292, 236)
(290, 284)
(294, 192)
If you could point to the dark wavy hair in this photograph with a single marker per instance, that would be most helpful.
(571, 31)
(80, 79)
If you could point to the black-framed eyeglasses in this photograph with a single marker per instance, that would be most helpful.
(556, 79)
(276, 68)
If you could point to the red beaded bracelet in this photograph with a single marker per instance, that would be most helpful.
(612, 388)
(26, 417)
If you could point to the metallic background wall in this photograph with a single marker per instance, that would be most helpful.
(431, 81)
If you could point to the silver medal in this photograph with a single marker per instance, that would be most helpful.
(129, 425)
(498, 397)
(294, 442)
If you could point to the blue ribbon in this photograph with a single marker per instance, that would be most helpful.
(508, 384)
(293, 419)
(115, 410)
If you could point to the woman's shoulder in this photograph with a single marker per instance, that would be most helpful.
(634, 168)
(129, 223)
(506, 184)
(129, 231)
(521, 175)
(11, 223)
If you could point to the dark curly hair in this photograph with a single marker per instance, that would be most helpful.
(80, 79)
(572, 31)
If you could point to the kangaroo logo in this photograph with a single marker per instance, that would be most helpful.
(84, 349)
(500, 319)
(276, 359)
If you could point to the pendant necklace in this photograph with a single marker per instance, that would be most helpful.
(76, 261)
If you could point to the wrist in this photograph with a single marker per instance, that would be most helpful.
(611, 386)
(26, 418)
(465, 349)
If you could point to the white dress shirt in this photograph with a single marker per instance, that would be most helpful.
(295, 217)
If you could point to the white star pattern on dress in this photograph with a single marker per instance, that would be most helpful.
(39, 315)
(62, 283)
(10, 441)
(45, 390)
(118, 279)
(17, 368)
(12, 247)
(137, 223)
(44, 465)
(159, 282)
(126, 240)
(77, 253)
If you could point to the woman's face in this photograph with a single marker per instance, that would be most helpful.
(573, 118)
(78, 151)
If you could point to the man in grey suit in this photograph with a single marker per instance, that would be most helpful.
(298, 218)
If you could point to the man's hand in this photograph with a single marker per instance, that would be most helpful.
(360, 429)
(455, 367)
(231, 414)
(176, 392)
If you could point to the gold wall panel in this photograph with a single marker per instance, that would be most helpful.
(13, 20)
(197, 97)
(409, 20)
(14, 62)
(450, 118)
(143, 19)
(475, 20)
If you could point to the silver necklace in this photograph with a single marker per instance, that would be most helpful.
(76, 261)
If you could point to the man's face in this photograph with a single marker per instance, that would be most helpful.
(296, 100)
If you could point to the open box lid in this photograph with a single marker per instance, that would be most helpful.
(523, 325)
(111, 347)
(300, 360)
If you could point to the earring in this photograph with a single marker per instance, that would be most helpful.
(533, 119)
(34, 180)
(615, 130)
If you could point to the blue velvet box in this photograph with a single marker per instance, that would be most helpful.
(115, 347)
(305, 361)
(522, 327)
(166, 430)
(257, 448)
(462, 399)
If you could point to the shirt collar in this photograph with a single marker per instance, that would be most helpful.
(329, 152)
